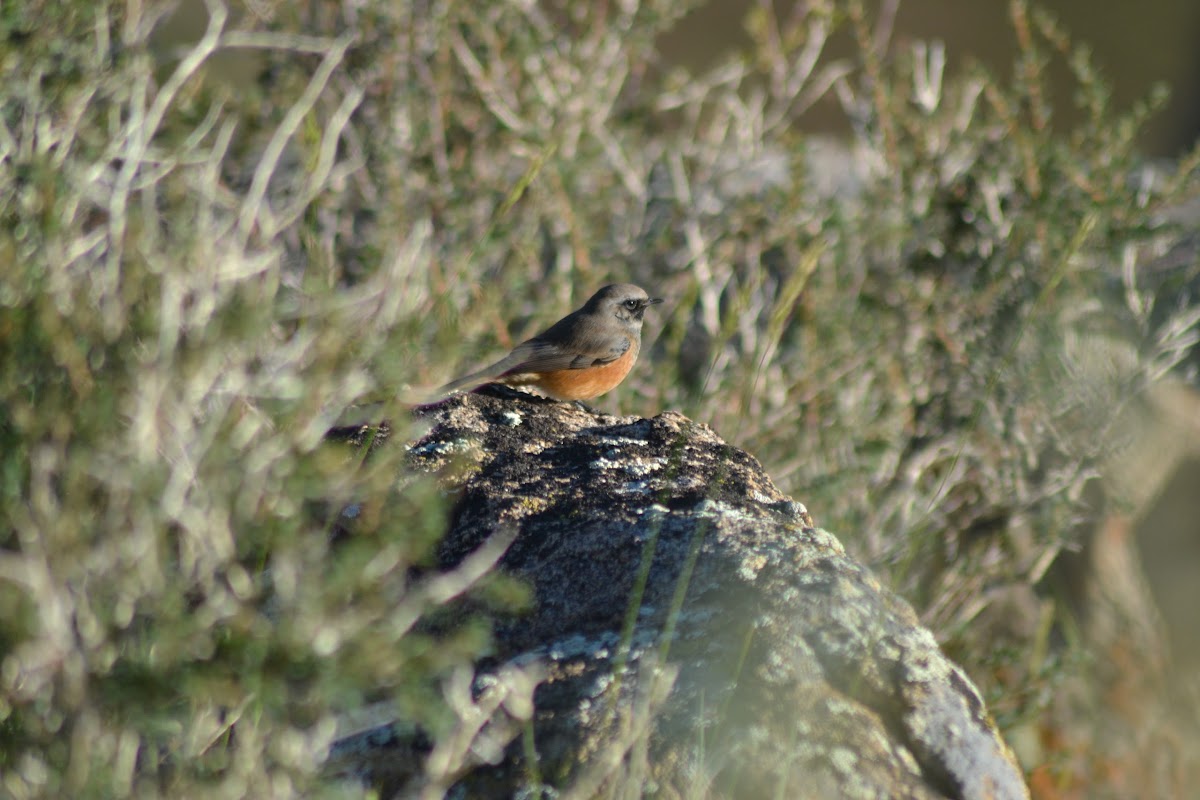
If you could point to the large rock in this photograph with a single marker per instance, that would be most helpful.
(692, 630)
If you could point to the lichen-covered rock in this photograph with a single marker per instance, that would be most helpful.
(695, 632)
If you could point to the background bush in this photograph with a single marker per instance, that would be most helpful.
(211, 249)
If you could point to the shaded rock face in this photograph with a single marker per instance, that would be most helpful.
(694, 632)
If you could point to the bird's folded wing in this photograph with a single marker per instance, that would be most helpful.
(538, 355)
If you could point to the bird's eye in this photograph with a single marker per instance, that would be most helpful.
(631, 304)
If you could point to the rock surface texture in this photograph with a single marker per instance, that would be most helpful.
(694, 634)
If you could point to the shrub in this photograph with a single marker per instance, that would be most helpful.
(212, 248)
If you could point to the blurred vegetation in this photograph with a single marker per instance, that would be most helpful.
(924, 336)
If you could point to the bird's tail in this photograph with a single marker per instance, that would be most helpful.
(472, 380)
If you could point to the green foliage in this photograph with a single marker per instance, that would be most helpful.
(208, 251)
(178, 617)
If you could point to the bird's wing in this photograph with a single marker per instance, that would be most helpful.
(541, 355)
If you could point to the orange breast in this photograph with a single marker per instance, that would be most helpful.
(580, 384)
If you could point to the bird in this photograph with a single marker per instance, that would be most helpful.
(582, 356)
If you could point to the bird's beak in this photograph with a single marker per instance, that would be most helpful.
(653, 301)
